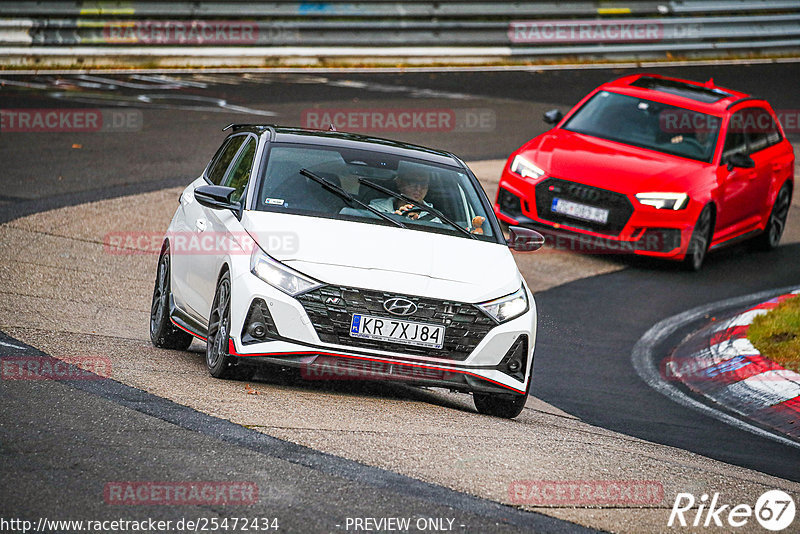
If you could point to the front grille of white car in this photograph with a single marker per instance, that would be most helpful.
(331, 310)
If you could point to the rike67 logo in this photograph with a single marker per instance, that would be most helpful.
(774, 510)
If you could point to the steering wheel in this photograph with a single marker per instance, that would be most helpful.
(694, 144)
(417, 209)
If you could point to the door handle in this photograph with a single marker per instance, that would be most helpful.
(200, 224)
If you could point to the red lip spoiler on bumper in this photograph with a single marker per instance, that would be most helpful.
(443, 370)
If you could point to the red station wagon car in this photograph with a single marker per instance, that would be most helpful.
(655, 166)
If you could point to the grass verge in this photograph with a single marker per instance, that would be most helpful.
(776, 334)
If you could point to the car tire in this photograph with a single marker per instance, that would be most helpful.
(499, 405)
(697, 250)
(776, 222)
(219, 362)
(163, 333)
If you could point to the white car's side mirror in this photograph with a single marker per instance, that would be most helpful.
(524, 239)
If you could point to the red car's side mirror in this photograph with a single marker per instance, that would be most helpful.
(739, 160)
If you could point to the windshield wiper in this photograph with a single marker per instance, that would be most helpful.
(425, 207)
(350, 199)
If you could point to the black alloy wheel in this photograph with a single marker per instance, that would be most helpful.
(218, 359)
(163, 333)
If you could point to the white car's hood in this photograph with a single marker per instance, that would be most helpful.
(386, 258)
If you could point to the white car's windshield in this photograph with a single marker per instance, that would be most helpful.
(647, 124)
(372, 187)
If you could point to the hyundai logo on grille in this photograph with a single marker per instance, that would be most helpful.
(584, 193)
(399, 306)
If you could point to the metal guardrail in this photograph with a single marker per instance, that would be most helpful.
(72, 32)
(408, 8)
(411, 29)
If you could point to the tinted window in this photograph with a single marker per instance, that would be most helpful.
(760, 129)
(223, 159)
(647, 124)
(735, 140)
(446, 189)
(750, 130)
(240, 171)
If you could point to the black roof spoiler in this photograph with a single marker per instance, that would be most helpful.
(238, 126)
(261, 127)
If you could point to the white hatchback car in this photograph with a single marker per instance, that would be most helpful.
(349, 257)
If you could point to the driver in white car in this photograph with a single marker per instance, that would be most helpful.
(414, 185)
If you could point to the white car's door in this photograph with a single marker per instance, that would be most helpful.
(190, 231)
(222, 227)
(182, 230)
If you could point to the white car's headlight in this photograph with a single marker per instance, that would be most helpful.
(664, 201)
(525, 168)
(279, 275)
(508, 307)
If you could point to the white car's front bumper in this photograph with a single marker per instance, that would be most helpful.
(293, 339)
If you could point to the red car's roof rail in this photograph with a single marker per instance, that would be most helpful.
(736, 102)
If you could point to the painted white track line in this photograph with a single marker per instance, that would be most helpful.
(643, 361)
(12, 345)
(763, 390)
(742, 319)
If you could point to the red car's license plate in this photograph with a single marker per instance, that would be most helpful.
(579, 211)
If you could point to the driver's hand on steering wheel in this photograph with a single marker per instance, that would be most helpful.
(402, 210)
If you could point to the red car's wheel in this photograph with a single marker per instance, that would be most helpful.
(777, 220)
(700, 240)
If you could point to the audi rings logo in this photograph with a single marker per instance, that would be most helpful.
(399, 306)
(584, 193)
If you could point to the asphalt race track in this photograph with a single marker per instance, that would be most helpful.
(588, 325)
(593, 362)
